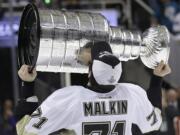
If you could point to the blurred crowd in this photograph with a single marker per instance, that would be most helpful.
(167, 12)
(7, 119)
(171, 111)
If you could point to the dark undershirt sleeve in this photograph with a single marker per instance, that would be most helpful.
(25, 108)
(154, 92)
(27, 89)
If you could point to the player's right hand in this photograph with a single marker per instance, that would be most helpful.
(162, 69)
(25, 75)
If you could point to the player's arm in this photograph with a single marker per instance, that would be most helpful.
(149, 105)
(154, 93)
(27, 102)
(50, 117)
(148, 117)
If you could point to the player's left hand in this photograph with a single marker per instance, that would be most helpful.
(162, 69)
(25, 75)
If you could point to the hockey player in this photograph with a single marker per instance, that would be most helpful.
(104, 107)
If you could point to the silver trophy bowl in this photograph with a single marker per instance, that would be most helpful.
(52, 40)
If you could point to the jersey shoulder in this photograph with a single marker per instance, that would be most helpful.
(67, 91)
(132, 89)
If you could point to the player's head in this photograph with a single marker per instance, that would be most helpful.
(105, 68)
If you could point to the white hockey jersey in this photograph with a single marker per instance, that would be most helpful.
(90, 113)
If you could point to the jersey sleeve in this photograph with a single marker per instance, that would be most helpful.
(147, 118)
(50, 116)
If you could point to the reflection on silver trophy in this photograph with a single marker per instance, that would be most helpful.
(53, 40)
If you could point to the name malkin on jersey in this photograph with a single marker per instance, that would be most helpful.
(118, 107)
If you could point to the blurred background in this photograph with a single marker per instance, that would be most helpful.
(135, 15)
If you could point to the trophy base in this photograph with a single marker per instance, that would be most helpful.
(29, 37)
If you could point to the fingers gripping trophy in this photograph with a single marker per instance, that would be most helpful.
(58, 41)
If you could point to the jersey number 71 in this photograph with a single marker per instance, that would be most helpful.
(103, 128)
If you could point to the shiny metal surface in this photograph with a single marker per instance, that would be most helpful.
(62, 36)
(64, 33)
(155, 42)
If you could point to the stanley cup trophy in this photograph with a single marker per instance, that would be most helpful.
(51, 40)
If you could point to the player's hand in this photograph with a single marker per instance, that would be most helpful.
(162, 69)
(25, 75)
